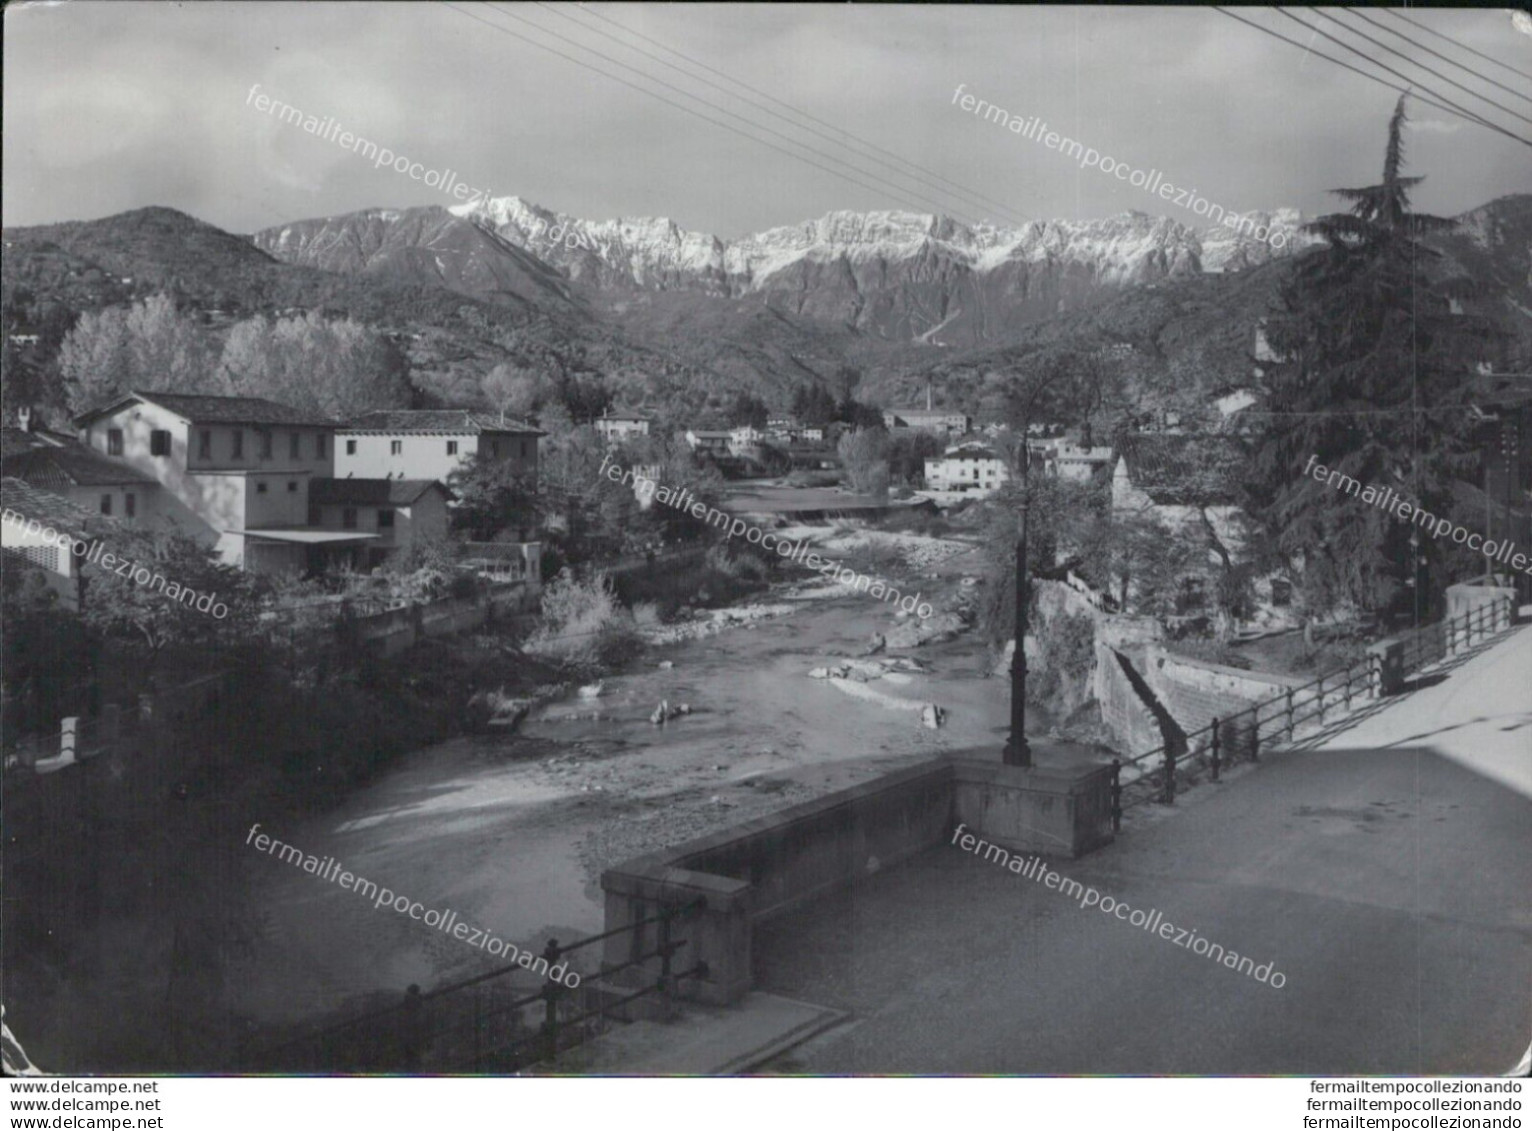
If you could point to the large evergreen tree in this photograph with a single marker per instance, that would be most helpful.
(1373, 380)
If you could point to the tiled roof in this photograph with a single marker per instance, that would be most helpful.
(455, 421)
(71, 465)
(204, 409)
(13, 440)
(970, 450)
(47, 508)
(1182, 469)
(371, 492)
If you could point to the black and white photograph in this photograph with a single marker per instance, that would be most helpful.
(575, 543)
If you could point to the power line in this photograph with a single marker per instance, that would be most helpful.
(1422, 66)
(1462, 111)
(1455, 43)
(976, 199)
(1374, 78)
(886, 189)
(844, 134)
(1421, 46)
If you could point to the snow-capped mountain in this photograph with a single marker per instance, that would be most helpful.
(650, 251)
(901, 276)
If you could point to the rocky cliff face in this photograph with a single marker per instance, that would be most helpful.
(898, 276)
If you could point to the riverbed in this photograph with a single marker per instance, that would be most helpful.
(512, 832)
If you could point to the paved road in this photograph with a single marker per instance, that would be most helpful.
(1390, 885)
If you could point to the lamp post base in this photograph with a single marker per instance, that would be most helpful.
(1011, 755)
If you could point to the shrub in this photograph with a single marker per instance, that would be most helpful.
(1061, 680)
(736, 564)
(583, 623)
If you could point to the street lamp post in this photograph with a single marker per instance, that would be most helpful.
(1016, 752)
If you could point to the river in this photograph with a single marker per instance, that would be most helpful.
(511, 831)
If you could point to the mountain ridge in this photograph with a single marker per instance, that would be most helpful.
(899, 276)
(465, 297)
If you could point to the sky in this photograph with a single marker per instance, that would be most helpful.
(111, 106)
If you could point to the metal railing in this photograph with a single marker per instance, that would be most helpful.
(1242, 736)
(482, 1024)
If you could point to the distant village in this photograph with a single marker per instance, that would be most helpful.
(276, 490)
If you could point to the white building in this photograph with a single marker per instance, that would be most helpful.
(233, 472)
(430, 444)
(972, 467)
(614, 428)
(713, 442)
(32, 522)
(932, 420)
(1070, 461)
(745, 436)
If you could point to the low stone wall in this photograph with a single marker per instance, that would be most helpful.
(765, 867)
(394, 631)
(1196, 692)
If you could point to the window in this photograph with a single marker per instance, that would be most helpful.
(494, 449)
(452, 447)
(260, 488)
(239, 443)
(265, 435)
(385, 519)
(351, 447)
(292, 486)
(396, 447)
(205, 444)
(114, 441)
(106, 504)
(292, 444)
(348, 518)
(315, 517)
(159, 442)
(319, 445)
(130, 504)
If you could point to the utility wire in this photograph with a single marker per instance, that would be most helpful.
(1422, 66)
(884, 189)
(1366, 75)
(843, 135)
(1421, 46)
(975, 199)
(1456, 43)
(1462, 111)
